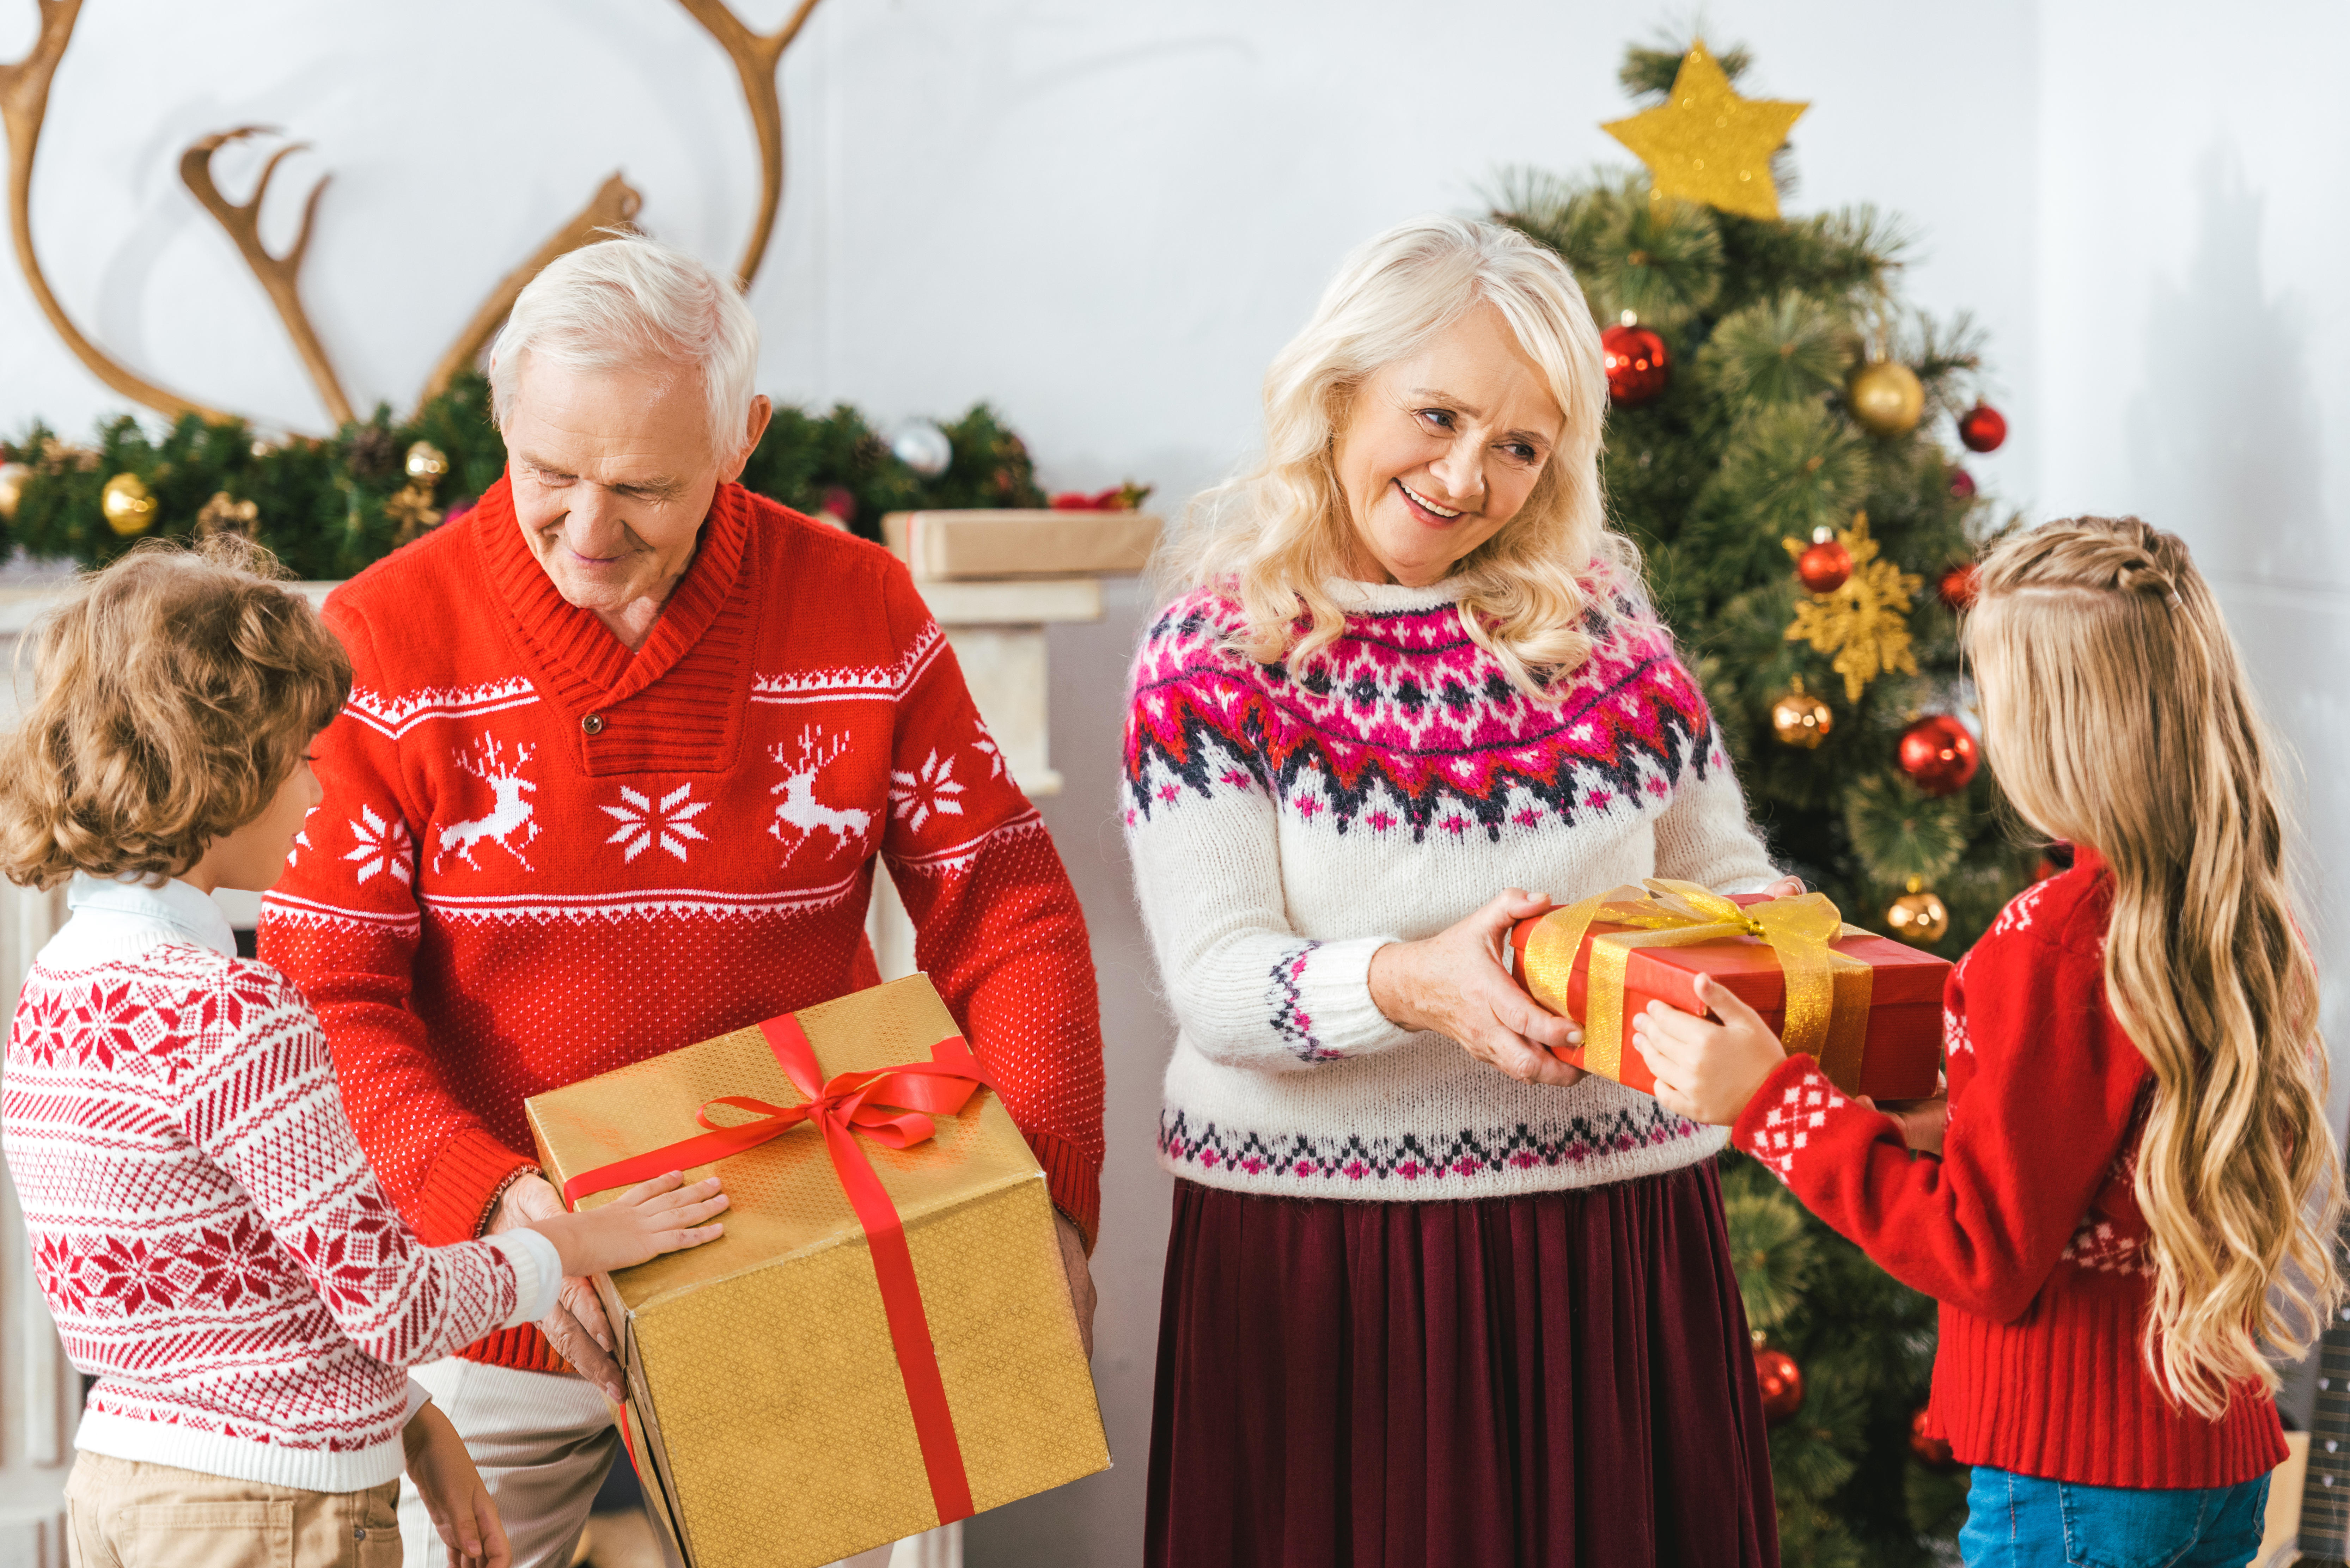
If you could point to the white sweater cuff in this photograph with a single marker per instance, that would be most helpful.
(539, 1273)
(1329, 1000)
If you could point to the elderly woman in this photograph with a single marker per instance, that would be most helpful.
(1432, 1296)
(625, 749)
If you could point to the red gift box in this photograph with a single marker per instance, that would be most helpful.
(1884, 1039)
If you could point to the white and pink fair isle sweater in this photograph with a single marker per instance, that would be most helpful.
(1285, 824)
(211, 1241)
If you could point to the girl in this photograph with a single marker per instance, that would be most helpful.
(209, 1237)
(2120, 1216)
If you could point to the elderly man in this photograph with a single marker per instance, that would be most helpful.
(622, 749)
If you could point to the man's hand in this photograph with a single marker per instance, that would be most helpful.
(1453, 985)
(1707, 1071)
(462, 1514)
(1081, 1277)
(575, 1327)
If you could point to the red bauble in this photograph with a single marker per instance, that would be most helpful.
(1781, 1382)
(1933, 1451)
(839, 506)
(1937, 754)
(1637, 366)
(1962, 484)
(1955, 587)
(1982, 428)
(1824, 567)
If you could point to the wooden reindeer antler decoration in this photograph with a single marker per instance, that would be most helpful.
(280, 275)
(756, 58)
(614, 206)
(23, 104)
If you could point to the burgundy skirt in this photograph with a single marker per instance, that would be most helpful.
(1556, 1381)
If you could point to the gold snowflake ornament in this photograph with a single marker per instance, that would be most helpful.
(1865, 623)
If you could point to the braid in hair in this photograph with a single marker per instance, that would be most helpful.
(2117, 716)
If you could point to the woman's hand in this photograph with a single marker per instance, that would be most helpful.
(1452, 983)
(1707, 1071)
(462, 1514)
(1785, 888)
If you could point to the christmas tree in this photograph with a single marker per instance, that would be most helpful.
(1781, 448)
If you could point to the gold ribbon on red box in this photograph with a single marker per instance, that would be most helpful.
(1827, 992)
(894, 1108)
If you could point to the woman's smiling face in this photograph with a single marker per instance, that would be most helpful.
(1441, 449)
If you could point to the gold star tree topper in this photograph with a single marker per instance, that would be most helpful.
(1707, 144)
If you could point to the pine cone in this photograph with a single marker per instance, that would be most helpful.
(372, 453)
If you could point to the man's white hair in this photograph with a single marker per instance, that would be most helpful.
(630, 303)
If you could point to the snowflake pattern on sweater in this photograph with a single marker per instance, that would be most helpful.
(204, 1228)
(1286, 823)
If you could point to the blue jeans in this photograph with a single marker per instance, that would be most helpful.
(2022, 1521)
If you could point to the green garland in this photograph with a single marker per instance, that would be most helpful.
(328, 508)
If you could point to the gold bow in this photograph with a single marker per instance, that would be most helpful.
(1827, 992)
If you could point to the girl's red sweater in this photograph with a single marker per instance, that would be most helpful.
(542, 857)
(2026, 1228)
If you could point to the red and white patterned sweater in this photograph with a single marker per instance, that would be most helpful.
(2026, 1230)
(210, 1239)
(542, 857)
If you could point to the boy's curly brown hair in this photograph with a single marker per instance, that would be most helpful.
(173, 695)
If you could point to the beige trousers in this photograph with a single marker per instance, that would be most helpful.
(128, 1514)
(542, 1442)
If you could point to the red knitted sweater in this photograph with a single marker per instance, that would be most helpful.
(2026, 1228)
(542, 857)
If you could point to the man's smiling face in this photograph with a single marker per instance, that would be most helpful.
(613, 471)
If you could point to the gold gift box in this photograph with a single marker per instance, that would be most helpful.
(766, 1412)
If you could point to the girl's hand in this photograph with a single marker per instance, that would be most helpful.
(662, 1215)
(1707, 1071)
(1922, 1121)
(460, 1504)
(1452, 983)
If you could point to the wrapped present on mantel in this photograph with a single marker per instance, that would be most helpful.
(1059, 542)
(1868, 1008)
(883, 1341)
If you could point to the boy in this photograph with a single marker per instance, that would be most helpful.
(207, 1231)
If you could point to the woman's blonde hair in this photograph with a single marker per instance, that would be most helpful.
(1272, 538)
(2117, 716)
(173, 695)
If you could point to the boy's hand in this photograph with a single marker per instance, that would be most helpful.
(663, 1215)
(454, 1496)
(1707, 1071)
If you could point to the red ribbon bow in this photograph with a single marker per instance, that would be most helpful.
(894, 1108)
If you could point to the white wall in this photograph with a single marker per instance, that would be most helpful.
(1105, 216)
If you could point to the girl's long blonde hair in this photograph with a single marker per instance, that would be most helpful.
(2116, 716)
(1274, 537)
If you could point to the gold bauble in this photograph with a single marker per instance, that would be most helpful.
(129, 508)
(1800, 719)
(1917, 916)
(12, 476)
(1886, 397)
(427, 464)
